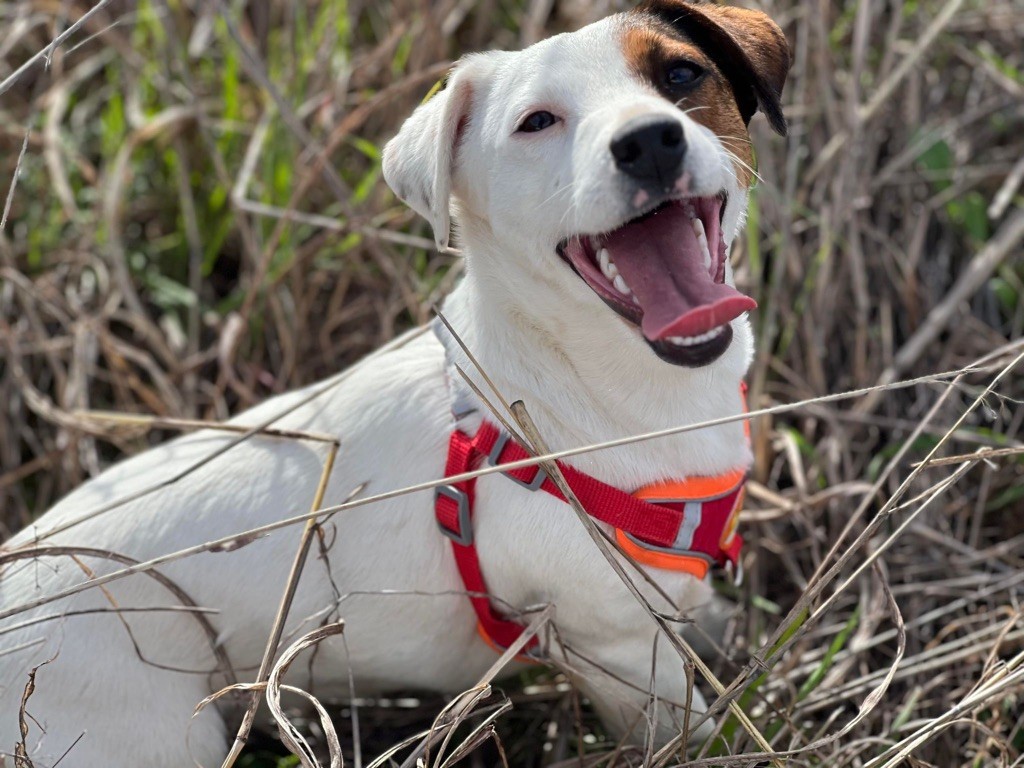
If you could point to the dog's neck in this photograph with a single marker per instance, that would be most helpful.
(586, 377)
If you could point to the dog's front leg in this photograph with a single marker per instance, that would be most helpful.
(640, 685)
(606, 639)
(637, 676)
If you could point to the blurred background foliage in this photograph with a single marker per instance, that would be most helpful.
(198, 221)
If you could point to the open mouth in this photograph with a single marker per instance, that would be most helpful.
(664, 271)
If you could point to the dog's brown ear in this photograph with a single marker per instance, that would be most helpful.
(419, 162)
(747, 46)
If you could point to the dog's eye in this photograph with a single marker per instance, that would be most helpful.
(682, 74)
(537, 121)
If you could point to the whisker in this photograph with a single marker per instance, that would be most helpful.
(753, 173)
(568, 211)
(556, 193)
(732, 155)
(694, 108)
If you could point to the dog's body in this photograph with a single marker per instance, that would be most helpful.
(542, 335)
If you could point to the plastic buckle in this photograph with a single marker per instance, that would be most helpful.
(734, 572)
(495, 455)
(463, 536)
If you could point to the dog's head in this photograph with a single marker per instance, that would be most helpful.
(610, 163)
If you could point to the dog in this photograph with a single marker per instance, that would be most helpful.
(595, 181)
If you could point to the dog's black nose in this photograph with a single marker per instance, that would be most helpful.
(650, 149)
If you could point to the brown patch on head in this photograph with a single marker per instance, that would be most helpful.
(748, 48)
(653, 49)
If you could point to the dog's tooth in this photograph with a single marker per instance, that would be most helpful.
(608, 268)
(690, 341)
(620, 285)
(595, 244)
(702, 239)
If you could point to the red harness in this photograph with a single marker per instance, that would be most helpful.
(687, 526)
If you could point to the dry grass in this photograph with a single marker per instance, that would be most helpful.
(198, 222)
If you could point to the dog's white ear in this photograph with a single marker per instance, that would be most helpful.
(419, 162)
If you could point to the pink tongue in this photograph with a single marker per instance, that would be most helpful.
(661, 260)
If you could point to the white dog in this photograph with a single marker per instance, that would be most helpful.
(595, 179)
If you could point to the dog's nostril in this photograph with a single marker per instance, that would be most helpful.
(672, 135)
(626, 151)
